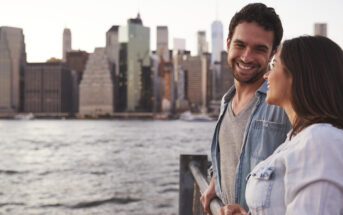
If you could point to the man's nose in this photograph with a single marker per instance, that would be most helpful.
(247, 56)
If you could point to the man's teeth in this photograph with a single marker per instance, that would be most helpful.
(244, 67)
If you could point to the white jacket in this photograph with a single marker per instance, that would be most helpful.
(303, 176)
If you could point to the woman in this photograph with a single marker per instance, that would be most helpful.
(305, 174)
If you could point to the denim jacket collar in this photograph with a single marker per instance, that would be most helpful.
(231, 92)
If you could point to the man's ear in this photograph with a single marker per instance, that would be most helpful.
(227, 44)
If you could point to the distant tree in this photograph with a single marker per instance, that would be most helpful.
(53, 60)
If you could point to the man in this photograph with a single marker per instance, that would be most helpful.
(248, 130)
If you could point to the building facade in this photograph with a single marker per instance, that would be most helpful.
(179, 44)
(113, 46)
(12, 66)
(162, 48)
(199, 83)
(217, 41)
(76, 62)
(48, 88)
(202, 43)
(320, 29)
(137, 40)
(226, 76)
(96, 87)
(66, 43)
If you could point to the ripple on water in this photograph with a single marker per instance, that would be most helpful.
(66, 167)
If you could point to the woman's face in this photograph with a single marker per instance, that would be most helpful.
(279, 84)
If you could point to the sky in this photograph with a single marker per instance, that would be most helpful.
(43, 21)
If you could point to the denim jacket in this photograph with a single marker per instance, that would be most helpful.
(266, 129)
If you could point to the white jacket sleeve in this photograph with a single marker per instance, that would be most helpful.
(318, 198)
(314, 173)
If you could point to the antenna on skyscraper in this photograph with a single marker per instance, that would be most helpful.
(139, 6)
(217, 18)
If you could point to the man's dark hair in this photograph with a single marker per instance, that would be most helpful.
(262, 15)
(316, 67)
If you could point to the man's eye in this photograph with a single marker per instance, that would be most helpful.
(240, 45)
(261, 50)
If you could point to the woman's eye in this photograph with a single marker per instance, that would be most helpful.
(271, 64)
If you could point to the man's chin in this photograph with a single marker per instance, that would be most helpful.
(247, 80)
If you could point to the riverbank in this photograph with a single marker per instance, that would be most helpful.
(123, 115)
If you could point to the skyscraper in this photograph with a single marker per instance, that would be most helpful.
(198, 82)
(76, 62)
(137, 40)
(66, 43)
(162, 42)
(179, 44)
(96, 87)
(48, 88)
(112, 46)
(12, 64)
(320, 29)
(202, 43)
(217, 41)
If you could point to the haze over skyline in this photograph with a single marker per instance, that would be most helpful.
(43, 21)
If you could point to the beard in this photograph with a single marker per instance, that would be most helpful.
(247, 79)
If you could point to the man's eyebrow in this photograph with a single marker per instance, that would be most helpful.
(238, 41)
(262, 47)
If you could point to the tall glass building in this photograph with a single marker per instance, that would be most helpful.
(12, 65)
(217, 41)
(135, 38)
(66, 46)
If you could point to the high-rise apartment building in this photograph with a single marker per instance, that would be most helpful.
(146, 101)
(180, 58)
(135, 39)
(320, 29)
(179, 44)
(202, 43)
(155, 83)
(198, 82)
(166, 85)
(76, 62)
(162, 43)
(48, 88)
(112, 51)
(226, 77)
(12, 66)
(113, 46)
(217, 41)
(66, 43)
(96, 87)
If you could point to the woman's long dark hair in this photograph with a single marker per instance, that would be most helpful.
(316, 67)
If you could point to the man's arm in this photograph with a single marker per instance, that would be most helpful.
(207, 196)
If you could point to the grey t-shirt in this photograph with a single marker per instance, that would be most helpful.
(230, 143)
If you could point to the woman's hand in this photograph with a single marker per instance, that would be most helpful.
(234, 209)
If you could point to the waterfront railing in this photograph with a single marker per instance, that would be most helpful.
(193, 182)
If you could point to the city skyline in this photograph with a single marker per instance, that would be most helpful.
(43, 22)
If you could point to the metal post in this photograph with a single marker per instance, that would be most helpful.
(201, 181)
(187, 181)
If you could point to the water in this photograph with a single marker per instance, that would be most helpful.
(95, 166)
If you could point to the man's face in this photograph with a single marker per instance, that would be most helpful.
(249, 52)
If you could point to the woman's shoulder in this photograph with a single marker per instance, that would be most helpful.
(320, 140)
(317, 150)
(321, 132)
